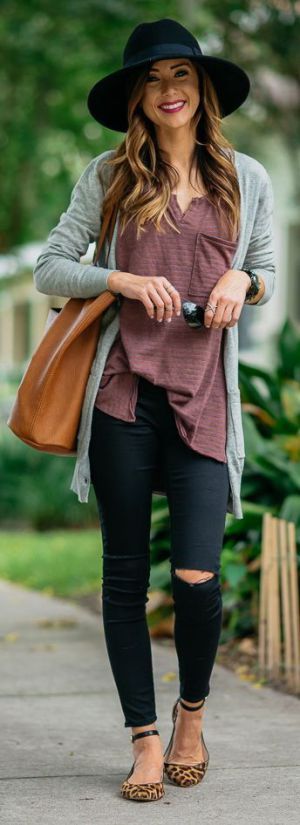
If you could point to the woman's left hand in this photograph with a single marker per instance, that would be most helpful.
(229, 293)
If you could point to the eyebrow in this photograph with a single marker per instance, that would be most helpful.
(171, 67)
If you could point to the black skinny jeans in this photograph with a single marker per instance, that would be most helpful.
(123, 457)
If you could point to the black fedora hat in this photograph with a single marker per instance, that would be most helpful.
(108, 99)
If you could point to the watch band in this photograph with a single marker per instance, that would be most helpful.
(254, 285)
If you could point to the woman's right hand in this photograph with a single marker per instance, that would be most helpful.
(150, 290)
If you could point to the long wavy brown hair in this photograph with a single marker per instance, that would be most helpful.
(142, 180)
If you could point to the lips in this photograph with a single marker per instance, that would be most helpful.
(174, 106)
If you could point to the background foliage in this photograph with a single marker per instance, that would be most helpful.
(51, 55)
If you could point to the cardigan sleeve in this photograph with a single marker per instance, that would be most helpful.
(58, 270)
(260, 255)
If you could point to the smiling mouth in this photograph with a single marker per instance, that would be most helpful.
(172, 107)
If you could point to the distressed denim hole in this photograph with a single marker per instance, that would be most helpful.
(206, 575)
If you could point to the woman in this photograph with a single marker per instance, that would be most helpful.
(162, 407)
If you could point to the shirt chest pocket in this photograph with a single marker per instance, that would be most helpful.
(212, 257)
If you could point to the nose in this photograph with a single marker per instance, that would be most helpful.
(167, 84)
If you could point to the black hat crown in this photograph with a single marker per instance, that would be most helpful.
(158, 38)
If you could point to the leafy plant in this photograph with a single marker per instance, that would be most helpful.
(35, 489)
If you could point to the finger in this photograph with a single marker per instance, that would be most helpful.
(217, 321)
(158, 302)
(209, 314)
(175, 297)
(214, 318)
(149, 306)
(172, 302)
(169, 305)
(168, 301)
(208, 317)
(226, 317)
(217, 318)
(148, 302)
(235, 315)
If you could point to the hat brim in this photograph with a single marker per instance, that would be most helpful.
(107, 99)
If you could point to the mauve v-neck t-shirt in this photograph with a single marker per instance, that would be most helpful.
(186, 361)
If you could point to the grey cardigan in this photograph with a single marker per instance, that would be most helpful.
(58, 271)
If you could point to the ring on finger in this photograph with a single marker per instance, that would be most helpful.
(211, 306)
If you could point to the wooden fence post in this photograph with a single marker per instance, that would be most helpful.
(279, 622)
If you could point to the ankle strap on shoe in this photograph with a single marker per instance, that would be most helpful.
(135, 736)
(187, 707)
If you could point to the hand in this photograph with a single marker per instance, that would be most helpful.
(229, 293)
(150, 290)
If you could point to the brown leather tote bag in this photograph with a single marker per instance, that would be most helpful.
(47, 409)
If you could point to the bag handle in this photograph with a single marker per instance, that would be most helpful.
(108, 225)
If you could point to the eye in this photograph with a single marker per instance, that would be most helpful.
(154, 77)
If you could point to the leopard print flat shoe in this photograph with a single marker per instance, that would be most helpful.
(146, 791)
(185, 775)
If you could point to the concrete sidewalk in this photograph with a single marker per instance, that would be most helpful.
(65, 751)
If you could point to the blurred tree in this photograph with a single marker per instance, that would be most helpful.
(52, 53)
(263, 36)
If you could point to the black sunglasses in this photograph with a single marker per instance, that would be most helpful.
(193, 314)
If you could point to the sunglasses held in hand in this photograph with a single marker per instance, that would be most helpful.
(193, 314)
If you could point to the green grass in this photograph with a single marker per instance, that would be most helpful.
(60, 562)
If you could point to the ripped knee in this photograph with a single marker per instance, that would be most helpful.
(194, 576)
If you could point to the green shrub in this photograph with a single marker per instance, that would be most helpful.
(36, 491)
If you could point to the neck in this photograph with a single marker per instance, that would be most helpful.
(177, 146)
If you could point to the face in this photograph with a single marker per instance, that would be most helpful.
(171, 81)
